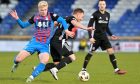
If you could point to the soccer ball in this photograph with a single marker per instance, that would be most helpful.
(83, 76)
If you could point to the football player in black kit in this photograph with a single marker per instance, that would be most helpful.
(61, 48)
(101, 18)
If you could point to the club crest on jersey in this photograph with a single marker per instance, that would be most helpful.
(54, 15)
(100, 17)
(106, 18)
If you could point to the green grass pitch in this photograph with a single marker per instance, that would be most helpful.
(99, 68)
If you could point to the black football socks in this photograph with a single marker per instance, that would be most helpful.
(113, 61)
(49, 66)
(64, 62)
(86, 61)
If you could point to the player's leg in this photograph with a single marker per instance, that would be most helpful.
(51, 65)
(93, 48)
(87, 58)
(69, 57)
(56, 53)
(28, 50)
(112, 58)
(113, 61)
(44, 58)
(19, 58)
(106, 45)
(65, 61)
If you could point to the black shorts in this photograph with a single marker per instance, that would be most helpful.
(57, 51)
(102, 43)
(66, 50)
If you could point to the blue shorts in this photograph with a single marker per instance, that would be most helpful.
(34, 46)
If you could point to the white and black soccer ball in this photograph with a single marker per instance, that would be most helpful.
(83, 76)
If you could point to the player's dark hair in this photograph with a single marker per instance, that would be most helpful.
(78, 10)
(101, 0)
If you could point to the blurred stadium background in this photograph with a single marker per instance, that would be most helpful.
(125, 21)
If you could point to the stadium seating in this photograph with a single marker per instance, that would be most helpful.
(22, 7)
(63, 8)
(110, 4)
(125, 21)
(128, 25)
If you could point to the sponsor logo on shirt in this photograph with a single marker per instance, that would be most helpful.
(102, 21)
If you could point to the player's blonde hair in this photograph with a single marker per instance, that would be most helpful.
(42, 4)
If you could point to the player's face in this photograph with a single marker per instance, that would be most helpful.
(102, 5)
(43, 11)
(80, 16)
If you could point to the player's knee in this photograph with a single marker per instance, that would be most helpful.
(22, 55)
(44, 58)
(56, 62)
(110, 51)
(44, 61)
(18, 59)
(73, 57)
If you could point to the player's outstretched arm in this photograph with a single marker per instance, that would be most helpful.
(113, 37)
(79, 25)
(22, 24)
(63, 22)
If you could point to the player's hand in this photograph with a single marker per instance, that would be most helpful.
(92, 40)
(55, 23)
(113, 37)
(90, 28)
(13, 13)
(69, 33)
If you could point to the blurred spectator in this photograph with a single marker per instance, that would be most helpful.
(83, 44)
(0, 19)
(5, 2)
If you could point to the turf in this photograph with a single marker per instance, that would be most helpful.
(99, 68)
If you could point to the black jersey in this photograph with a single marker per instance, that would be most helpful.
(60, 30)
(101, 24)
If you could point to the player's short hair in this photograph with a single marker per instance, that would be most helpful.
(42, 4)
(78, 10)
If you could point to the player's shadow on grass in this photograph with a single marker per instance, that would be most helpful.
(24, 79)
(43, 81)
(13, 78)
(66, 71)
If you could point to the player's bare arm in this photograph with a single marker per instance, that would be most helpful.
(113, 37)
(79, 25)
